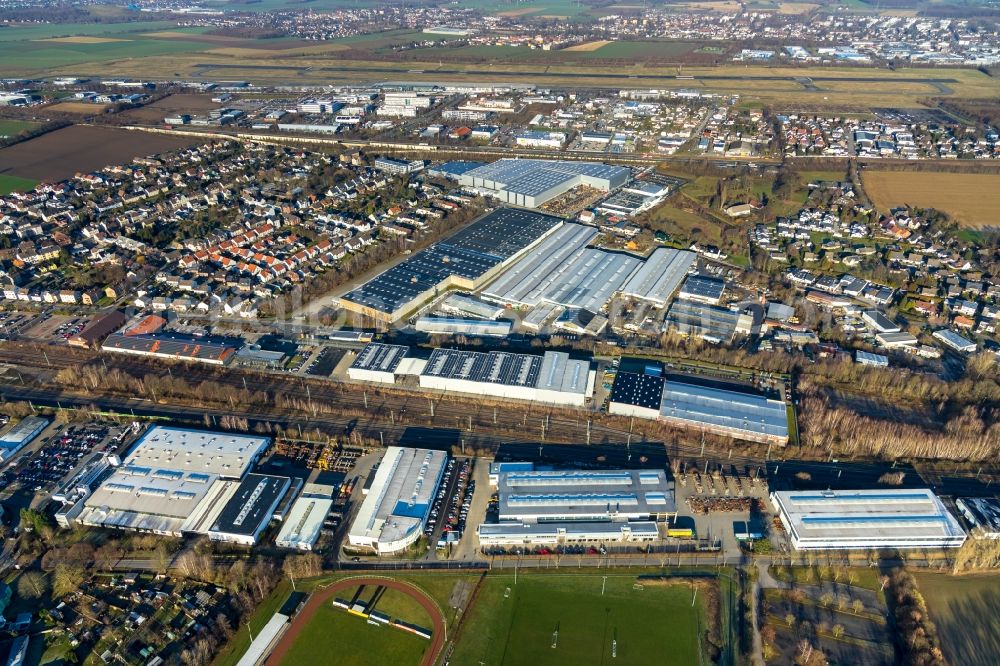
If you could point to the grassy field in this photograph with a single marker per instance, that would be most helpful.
(966, 612)
(15, 127)
(653, 625)
(10, 184)
(336, 637)
(970, 199)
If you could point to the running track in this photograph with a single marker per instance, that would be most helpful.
(320, 597)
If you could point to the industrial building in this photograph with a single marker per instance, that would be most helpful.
(377, 362)
(394, 512)
(459, 326)
(540, 496)
(173, 347)
(702, 289)
(562, 270)
(531, 183)
(848, 519)
(20, 435)
(983, 513)
(465, 305)
(174, 481)
(660, 275)
(559, 534)
(101, 327)
(466, 260)
(553, 378)
(955, 341)
(746, 416)
(635, 394)
(302, 526)
(250, 509)
(708, 322)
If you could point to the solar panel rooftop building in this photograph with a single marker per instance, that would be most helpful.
(703, 289)
(377, 362)
(635, 394)
(396, 508)
(585, 496)
(552, 378)
(742, 415)
(247, 513)
(530, 183)
(466, 260)
(562, 270)
(660, 275)
(848, 519)
(983, 513)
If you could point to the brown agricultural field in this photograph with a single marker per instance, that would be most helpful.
(78, 149)
(180, 103)
(588, 46)
(81, 108)
(84, 39)
(971, 199)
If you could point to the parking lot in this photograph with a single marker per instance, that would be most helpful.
(58, 455)
(452, 503)
(56, 328)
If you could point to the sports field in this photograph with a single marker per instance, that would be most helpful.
(336, 637)
(971, 199)
(564, 619)
(965, 611)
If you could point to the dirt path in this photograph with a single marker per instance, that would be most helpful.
(320, 597)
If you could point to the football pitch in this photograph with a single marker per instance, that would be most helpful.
(564, 619)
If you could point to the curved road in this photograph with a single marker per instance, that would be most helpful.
(320, 597)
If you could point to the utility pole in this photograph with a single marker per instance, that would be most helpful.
(604, 581)
(366, 399)
(381, 439)
(588, 432)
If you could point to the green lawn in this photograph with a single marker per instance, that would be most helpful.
(863, 577)
(333, 636)
(640, 49)
(654, 625)
(10, 184)
(30, 32)
(14, 127)
(964, 610)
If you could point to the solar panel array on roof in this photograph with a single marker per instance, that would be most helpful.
(703, 288)
(469, 254)
(380, 357)
(533, 177)
(494, 367)
(640, 390)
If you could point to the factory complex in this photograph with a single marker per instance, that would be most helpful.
(849, 519)
(177, 481)
(397, 505)
(556, 507)
(552, 378)
(531, 183)
(720, 411)
(301, 527)
(466, 260)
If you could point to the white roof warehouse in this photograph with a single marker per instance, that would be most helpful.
(847, 519)
(393, 514)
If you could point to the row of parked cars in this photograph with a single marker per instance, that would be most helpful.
(457, 505)
(59, 455)
(544, 550)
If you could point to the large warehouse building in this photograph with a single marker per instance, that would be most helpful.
(466, 260)
(563, 270)
(301, 528)
(748, 416)
(531, 183)
(553, 378)
(551, 507)
(394, 512)
(176, 481)
(660, 276)
(847, 519)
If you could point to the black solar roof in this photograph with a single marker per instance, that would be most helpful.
(470, 253)
(493, 367)
(640, 390)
